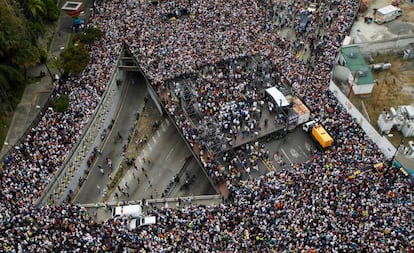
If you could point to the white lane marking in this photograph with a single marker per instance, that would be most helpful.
(308, 146)
(301, 150)
(283, 151)
(294, 153)
(169, 153)
(164, 126)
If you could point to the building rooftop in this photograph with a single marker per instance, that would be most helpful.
(71, 6)
(355, 62)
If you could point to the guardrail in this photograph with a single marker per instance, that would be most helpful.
(155, 201)
(66, 178)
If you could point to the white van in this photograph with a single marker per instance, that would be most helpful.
(142, 221)
(387, 14)
(131, 210)
(307, 127)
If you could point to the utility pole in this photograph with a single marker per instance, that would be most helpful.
(352, 83)
(380, 88)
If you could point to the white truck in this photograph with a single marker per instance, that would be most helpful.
(142, 221)
(387, 14)
(128, 210)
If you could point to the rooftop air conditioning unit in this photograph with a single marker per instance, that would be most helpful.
(353, 55)
(362, 73)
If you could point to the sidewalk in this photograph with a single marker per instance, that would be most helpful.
(36, 95)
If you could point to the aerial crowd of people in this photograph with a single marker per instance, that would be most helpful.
(344, 199)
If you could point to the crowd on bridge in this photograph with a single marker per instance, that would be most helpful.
(183, 44)
(344, 199)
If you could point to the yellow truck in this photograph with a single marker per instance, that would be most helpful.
(318, 133)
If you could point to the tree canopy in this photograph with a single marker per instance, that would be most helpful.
(90, 35)
(75, 59)
(40, 10)
(22, 24)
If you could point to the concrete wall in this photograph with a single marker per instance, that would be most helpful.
(362, 89)
(396, 45)
(75, 165)
(154, 96)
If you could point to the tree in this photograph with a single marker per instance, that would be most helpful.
(57, 63)
(11, 32)
(18, 50)
(90, 35)
(26, 56)
(36, 8)
(61, 104)
(75, 59)
(52, 11)
(34, 31)
(40, 10)
(9, 76)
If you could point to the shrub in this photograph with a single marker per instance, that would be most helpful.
(90, 35)
(61, 104)
(75, 59)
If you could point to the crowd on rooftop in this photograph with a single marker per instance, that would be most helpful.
(335, 202)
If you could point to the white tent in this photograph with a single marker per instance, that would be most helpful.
(277, 96)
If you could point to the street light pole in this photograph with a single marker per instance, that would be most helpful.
(354, 80)
(398, 148)
(395, 154)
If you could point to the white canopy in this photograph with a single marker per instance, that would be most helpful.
(277, 96)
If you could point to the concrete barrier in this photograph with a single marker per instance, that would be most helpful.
(76, 161)
(154, 201)
(394, 45)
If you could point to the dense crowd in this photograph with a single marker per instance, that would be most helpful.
(167, 48)
(335, 202)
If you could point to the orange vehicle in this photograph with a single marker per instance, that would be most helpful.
(321, 136)
(318, 133)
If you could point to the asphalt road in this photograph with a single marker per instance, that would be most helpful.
(134, 91)
(192, 182)
(168, 155)
(295, 147)
(166, 150)
(64, 29)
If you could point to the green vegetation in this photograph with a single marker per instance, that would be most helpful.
(23, 23)
(56, 63)
(4, 126)
(90, 35)
(61, 104)
(75, 59)
(33, 79)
